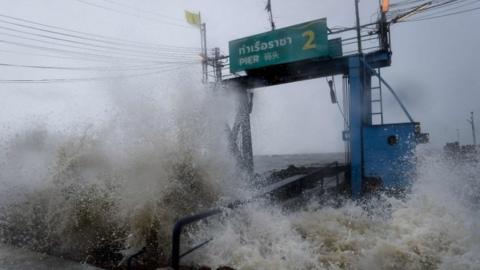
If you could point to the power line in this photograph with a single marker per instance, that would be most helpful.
(50, 56)
(144, 11)
(77, 37)
(98, 68)
(421, 5)
(424, 7)
(453, 8)
(95, 37)
(96, 52)
(72, 80)
(442, 6)
(134, 15)
(444, 15)
(405, 2)
(75, 52)
(108, 48)
(409, 8)
(87, 59)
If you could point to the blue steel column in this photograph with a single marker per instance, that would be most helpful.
(357, 118)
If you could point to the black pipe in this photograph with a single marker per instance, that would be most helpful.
(177, 231)
(196, 247)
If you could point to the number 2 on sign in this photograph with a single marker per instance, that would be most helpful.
(310, 44)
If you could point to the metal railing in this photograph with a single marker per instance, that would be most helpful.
(177, 232)
(315, 176)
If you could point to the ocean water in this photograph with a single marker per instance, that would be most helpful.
(267, 163)
(98, 194)
(435, 227)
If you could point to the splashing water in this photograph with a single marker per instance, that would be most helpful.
(88, 195)
(437, 226)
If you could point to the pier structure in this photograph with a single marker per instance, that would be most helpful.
(378, 155)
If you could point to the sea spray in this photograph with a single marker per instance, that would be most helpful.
(95, 192)
(121, 185)
(434, 227)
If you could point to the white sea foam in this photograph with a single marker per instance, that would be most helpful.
(98, 189)
(437, 226)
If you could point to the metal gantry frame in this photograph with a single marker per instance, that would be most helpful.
(357, 69)
(357, 66)
(359, 101)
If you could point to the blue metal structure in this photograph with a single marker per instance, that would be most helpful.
(389, 154)
(359, 116)
(381, 156)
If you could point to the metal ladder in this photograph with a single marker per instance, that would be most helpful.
(377, 99)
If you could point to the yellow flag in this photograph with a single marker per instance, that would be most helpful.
(193, 18)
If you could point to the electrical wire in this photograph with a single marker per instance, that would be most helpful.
(405, 2)
(106, 49)
(97, 68)
(150, 57)
(76, 52)
(175, 56)
(442, 6)
(96, 53)
(72, 80)
(95, 37)
(424, 4)
(134, 15)
(87, 59)
(457, 5)
(427, 6)
(86, 43)
(444, 15)
(144, 11)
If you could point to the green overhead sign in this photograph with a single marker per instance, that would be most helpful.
(290, 44)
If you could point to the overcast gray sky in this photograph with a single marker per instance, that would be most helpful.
(434, 70)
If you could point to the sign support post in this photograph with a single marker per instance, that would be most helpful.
(203, 34)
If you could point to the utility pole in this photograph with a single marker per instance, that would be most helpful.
(458, 135)
(359, 36)
(203, 40)
(196, 20)
(217, 64)
(472, 123)
(383, 25)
